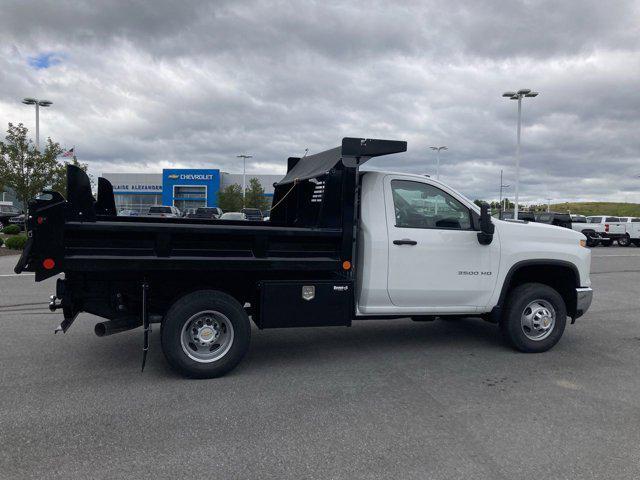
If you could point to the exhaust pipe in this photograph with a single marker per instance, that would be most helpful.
(104, 329)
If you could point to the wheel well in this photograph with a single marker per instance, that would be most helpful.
(562, 278)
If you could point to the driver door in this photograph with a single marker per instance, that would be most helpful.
(435, 261)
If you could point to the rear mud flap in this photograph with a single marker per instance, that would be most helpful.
(24, 258)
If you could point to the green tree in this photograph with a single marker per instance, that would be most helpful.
(255, 197)
(22, 167)
(59, 179)
(230, 198)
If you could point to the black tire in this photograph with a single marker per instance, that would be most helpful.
(591, 242)
(518, 300)
(624, 241)
(185, 309)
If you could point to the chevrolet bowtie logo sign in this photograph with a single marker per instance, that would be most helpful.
(173, 176)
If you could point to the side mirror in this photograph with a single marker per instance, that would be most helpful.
(485, 235)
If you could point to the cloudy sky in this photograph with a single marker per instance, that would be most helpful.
(138, 86)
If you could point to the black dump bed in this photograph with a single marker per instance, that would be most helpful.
(311, 226)
(116, 267)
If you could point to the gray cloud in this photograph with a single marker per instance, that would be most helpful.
(152, 84)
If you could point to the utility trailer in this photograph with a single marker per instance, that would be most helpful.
(295, 270)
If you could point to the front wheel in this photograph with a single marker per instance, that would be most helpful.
(205, 334)
(534, 319)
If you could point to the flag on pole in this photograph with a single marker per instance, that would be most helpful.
(68, 153)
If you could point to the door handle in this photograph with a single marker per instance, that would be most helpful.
(405, 241)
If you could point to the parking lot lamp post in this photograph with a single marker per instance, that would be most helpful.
(244, 176)
(502, 186)
(38, 104)
(525, 92)
(437, 150)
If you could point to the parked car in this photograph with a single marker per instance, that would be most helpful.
(574, 222)
(206, 282)
(233, 216)
(206, 213)
(609, 227)
(524, 216)
(163, 211)
(7, 211)
(579, 224)
(632, 228)
(553, 218)
(252, 214)
(128, 213)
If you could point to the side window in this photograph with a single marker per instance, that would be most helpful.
(418, 205)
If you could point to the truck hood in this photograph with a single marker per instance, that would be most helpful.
(538, 231)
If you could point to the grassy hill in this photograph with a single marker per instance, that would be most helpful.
(599, 208)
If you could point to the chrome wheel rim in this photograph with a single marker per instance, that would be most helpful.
(538, 320)
(207, 336)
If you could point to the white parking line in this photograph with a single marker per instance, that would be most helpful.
(15, 274)
(615, 255)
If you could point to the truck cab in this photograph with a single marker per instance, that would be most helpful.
(419, 251)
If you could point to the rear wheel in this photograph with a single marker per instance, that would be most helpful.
(205, 334)
(534, 319)
(591, 242)
(624, 241)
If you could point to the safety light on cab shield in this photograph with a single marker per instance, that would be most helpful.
(48, 263)
(346, 265)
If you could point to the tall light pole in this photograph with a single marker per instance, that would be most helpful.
(548, 204)
(244, 176)
(525, 92)
(502, 186)
(437, 150)
(38, 104)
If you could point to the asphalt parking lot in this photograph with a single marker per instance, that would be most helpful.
(385, 399)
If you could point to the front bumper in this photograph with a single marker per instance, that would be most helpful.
(584, 295)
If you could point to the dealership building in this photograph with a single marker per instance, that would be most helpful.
(182, 188)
